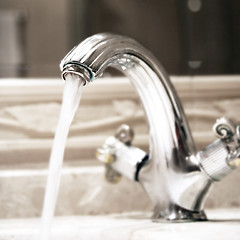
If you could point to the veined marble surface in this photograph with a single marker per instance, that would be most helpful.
(223, 224)
(29, 111)
(84, 191)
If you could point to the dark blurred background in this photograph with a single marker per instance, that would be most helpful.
(189, 37)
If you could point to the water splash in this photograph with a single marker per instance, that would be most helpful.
(70, 102)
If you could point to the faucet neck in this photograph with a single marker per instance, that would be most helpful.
(160, 101)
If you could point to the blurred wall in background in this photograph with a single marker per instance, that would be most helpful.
(46, 35)
(189, 37)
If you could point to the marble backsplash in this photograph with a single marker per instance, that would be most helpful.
(29, 111)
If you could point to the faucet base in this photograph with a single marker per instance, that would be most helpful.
(178, 214)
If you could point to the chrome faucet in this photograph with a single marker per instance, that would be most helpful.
(175, 176)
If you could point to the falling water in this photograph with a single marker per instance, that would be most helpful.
(70, 102)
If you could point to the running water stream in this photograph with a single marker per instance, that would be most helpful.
(70, 102)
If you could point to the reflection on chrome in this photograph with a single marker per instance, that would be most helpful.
(175, 176)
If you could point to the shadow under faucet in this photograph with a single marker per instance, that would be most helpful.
(175, 176)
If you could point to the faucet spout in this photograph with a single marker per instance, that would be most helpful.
(172, 177)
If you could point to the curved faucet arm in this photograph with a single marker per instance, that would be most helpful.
(100, 51)
(103, 50)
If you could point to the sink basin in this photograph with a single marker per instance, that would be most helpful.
(223, 224)
(25, 148)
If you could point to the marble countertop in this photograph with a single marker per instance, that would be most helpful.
(222, 224)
